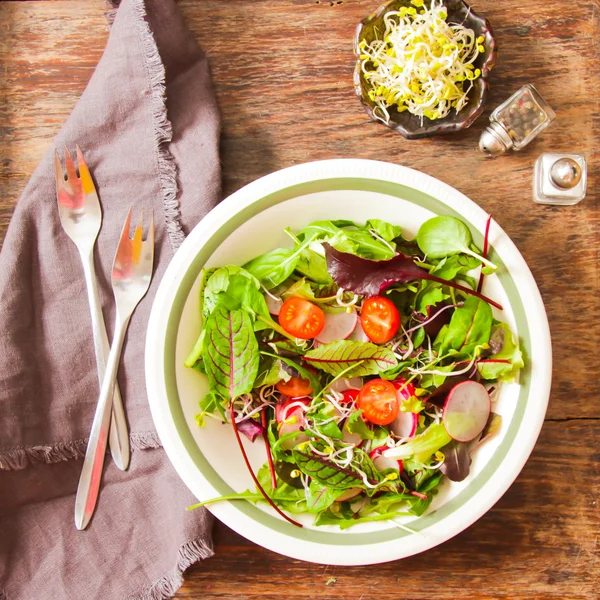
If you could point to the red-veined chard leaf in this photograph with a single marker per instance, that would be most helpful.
(470, 327)
(334, 476)
(336, 357)
(320, 497)
(371, 277)
(231, 355)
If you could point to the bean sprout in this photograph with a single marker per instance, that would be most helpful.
(339, 298)
(422, 64)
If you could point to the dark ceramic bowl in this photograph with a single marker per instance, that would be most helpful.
(405, 123)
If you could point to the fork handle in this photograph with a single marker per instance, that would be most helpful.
(91, 473)
(119, 435)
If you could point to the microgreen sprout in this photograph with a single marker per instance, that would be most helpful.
(422, 64)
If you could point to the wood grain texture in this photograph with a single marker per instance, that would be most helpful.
(283, 75)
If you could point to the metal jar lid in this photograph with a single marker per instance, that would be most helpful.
(495, 140)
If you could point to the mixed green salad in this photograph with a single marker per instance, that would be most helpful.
(365, 362)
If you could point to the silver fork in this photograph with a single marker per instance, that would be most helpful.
(81, 217)
(131, 275)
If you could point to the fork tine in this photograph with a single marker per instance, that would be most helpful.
(150, 236)
(84, 173)
(148, 244)
(71, 172)
(60, 175)
(121, 264)
(137, 235)
(126, 227)
(136, 242)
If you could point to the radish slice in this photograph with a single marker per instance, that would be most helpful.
(382, 462)
(290, 416)
(349, 494)
(283, 410)
(341, 385)
(466, 411)
(273, 305)
(338, 326)
(359, 335)
(405, 424)
(351, 438)
(295, 422)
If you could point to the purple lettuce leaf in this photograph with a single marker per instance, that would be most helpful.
(457, 463)
(250, 428)
(367, 277)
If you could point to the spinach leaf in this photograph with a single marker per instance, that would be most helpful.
(510, 351)
(385, 230)
(230, 352)
(335, 357)
(368, 246)
(451, 266)
(328, 231)
(355, 240)
(314, 266)
(234, 288)
(470, 327)
(445, 236)
(274, 267)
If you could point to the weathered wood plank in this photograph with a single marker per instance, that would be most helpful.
(283, 73)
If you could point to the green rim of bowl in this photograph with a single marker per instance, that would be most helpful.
(328, 536)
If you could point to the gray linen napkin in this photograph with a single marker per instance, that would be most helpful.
(149, 128)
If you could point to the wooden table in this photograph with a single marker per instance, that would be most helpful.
(283, 76)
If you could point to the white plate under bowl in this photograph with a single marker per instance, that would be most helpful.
(251, 222)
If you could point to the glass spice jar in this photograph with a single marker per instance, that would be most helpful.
(516, 122)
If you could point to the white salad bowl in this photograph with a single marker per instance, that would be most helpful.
(251, 222)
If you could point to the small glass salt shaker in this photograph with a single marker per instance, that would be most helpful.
(559, 179)
(516, 122)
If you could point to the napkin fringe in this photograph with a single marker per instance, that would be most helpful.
(18, 458)
(167, 586)
(163, 130)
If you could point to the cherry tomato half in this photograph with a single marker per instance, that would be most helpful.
(295, 387)
(349, 396)
(380, 319)
(378, 401)
(301, 318)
